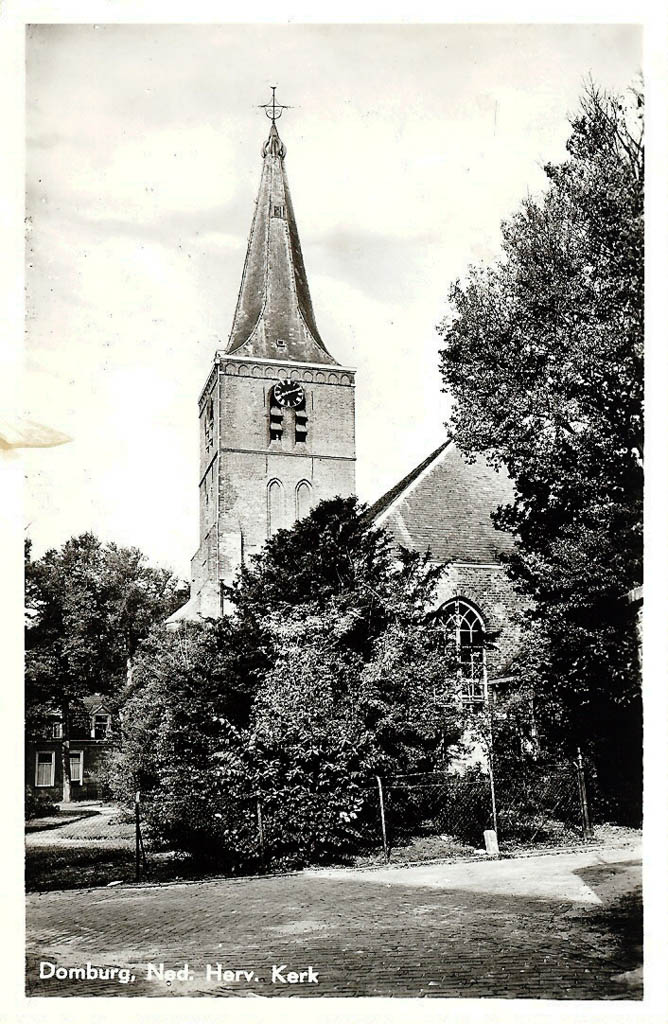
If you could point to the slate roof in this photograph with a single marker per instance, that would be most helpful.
(274, 301)
(444, 506)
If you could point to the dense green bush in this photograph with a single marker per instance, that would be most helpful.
(37, 805)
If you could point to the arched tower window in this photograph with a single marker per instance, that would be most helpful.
(275, 507)
(303, 499)
(465, 630)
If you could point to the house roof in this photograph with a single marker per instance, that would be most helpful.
(95, 702)
(444, 507)
(274, 303)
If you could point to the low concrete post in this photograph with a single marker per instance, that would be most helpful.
(491, 843)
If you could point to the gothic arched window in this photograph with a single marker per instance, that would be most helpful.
(465, 630)
(303, 499)
(275, 507)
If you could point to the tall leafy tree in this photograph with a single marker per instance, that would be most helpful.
(543, 356)
(335, 560)
(87, 607)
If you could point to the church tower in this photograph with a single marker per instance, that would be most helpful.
(277, 412)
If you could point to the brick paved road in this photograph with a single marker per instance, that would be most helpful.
(559, 927)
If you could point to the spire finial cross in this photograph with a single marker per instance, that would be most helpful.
(273, 110)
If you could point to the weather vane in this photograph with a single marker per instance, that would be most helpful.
(273, 109)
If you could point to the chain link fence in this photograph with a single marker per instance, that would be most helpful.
(538, 806)
(436, 805)
(401, 818)
(543, 805)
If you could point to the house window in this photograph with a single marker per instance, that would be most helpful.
(101, 726)
(76, 766)
(57, 730)
(45, 767)
(465, 631)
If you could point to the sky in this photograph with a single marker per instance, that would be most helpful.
(407, 146)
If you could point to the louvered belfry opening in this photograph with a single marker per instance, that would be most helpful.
(301, 423)
(275, 419)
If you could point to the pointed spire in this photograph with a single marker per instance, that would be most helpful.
(274, 316)
(274, 146)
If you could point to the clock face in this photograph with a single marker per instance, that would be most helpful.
(289, 393)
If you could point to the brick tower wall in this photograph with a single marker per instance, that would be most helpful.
(238, 459)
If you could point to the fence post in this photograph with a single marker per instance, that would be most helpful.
(490, 758)
(260, 826)
(492, 791)
(137, 840)
(587, 832)
(386, 851)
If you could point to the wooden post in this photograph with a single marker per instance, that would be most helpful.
(260, 827)
(137, 840)
(386, 850)
(493, 796)
(490, 753)
(587, 832)
(65, 753)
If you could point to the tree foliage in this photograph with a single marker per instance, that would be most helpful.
(543, 356)
(88, 605)
(331, 560)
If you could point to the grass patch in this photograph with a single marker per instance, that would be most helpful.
(77, 867)
(98, 864)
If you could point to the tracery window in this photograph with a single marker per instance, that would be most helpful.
(465, 630)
